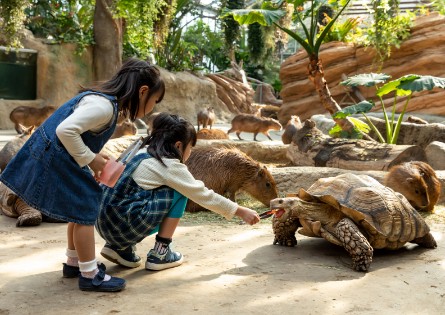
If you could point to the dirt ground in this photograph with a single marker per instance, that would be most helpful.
(228, 269)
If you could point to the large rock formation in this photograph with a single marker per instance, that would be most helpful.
(423, 53)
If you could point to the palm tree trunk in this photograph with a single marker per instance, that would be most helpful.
(316, 75)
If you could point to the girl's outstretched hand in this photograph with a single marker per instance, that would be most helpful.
(248, 215)
(97, 165)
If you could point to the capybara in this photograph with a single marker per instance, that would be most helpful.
(228, 170)
(148, 119)
(28, 116)
(416, 120)
(290, 129)
(126, 128)
(211, 134)
(417, 181)
(206, 117)
(12, 147)
(252, 123)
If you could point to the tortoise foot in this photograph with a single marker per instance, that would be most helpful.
(355, 244)
(29, 220)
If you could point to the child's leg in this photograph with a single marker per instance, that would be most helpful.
(161, 257)
(71, 253)
(92, 278)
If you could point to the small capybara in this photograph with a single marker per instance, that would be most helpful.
(28, 116)
(290, 129)
(12, 147)
(206, 117)
(148, 119)
(126, 128)
(211, 134)
(228, 170)
(416, 120)
(252, 123)
(417, 181)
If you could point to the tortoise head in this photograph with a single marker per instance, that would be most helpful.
(285, 208)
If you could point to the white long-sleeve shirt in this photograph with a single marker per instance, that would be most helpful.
(151, 174)
(93, 113)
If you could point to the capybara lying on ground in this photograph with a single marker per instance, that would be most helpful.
(126, 128)
(206, 117)
(28, 116)
(417, 181)
(252, 123)
(228, 170)
(211, 134)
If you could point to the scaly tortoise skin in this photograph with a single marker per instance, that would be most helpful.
(14, 207)
(353, 211)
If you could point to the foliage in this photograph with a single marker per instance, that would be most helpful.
(403, 86)
(439, 6)
(206, 46)
(140, 16)
(62, 21)
(388, 30)
(11, 21)
(271, 14)
(230, 26)
(340, 31)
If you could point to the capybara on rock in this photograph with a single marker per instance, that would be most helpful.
(417, 181)
(211, 134)
(252, 123)
(206, 117)
(28, 116)
(126, 128)
(290, 129)
(228, 170)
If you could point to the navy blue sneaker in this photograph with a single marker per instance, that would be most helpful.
(99, 285)
(160, 262)
(125, 257)
(74, 272)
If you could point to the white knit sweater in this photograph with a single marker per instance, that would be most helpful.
(151, 174)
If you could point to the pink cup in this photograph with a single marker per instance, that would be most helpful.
(111, 173)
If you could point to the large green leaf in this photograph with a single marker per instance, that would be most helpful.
(362, 107)
(393, 85)
(366, 79)
(424, 82)
(250, 16)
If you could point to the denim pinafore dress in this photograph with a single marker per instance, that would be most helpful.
(47, 177)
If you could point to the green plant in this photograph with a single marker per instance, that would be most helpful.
(340, 30)
(402, 87)
(11, 21)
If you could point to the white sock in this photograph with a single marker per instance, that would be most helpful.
(72, 259)
(89, 269)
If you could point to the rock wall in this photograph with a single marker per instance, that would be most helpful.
(423, 53)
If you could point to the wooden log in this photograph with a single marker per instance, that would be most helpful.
(310, 147)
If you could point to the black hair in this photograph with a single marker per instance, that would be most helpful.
(125, 85)
(167, 130)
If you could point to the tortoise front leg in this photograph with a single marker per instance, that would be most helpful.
(355, 244)
(285, 231)
(28, 216)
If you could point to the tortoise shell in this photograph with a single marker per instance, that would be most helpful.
(386, 216)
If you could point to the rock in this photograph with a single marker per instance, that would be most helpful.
(435, 151)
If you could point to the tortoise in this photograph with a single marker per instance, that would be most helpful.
(353, 211)
(12, 206)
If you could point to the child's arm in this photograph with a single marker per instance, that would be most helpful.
(248, 215)
(93, 113)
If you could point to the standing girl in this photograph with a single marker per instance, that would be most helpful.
(151, 195)
(56, 170)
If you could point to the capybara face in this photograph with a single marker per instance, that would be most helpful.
(275, 125)
(262, 186)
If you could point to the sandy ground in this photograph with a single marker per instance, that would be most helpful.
(229, 269)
